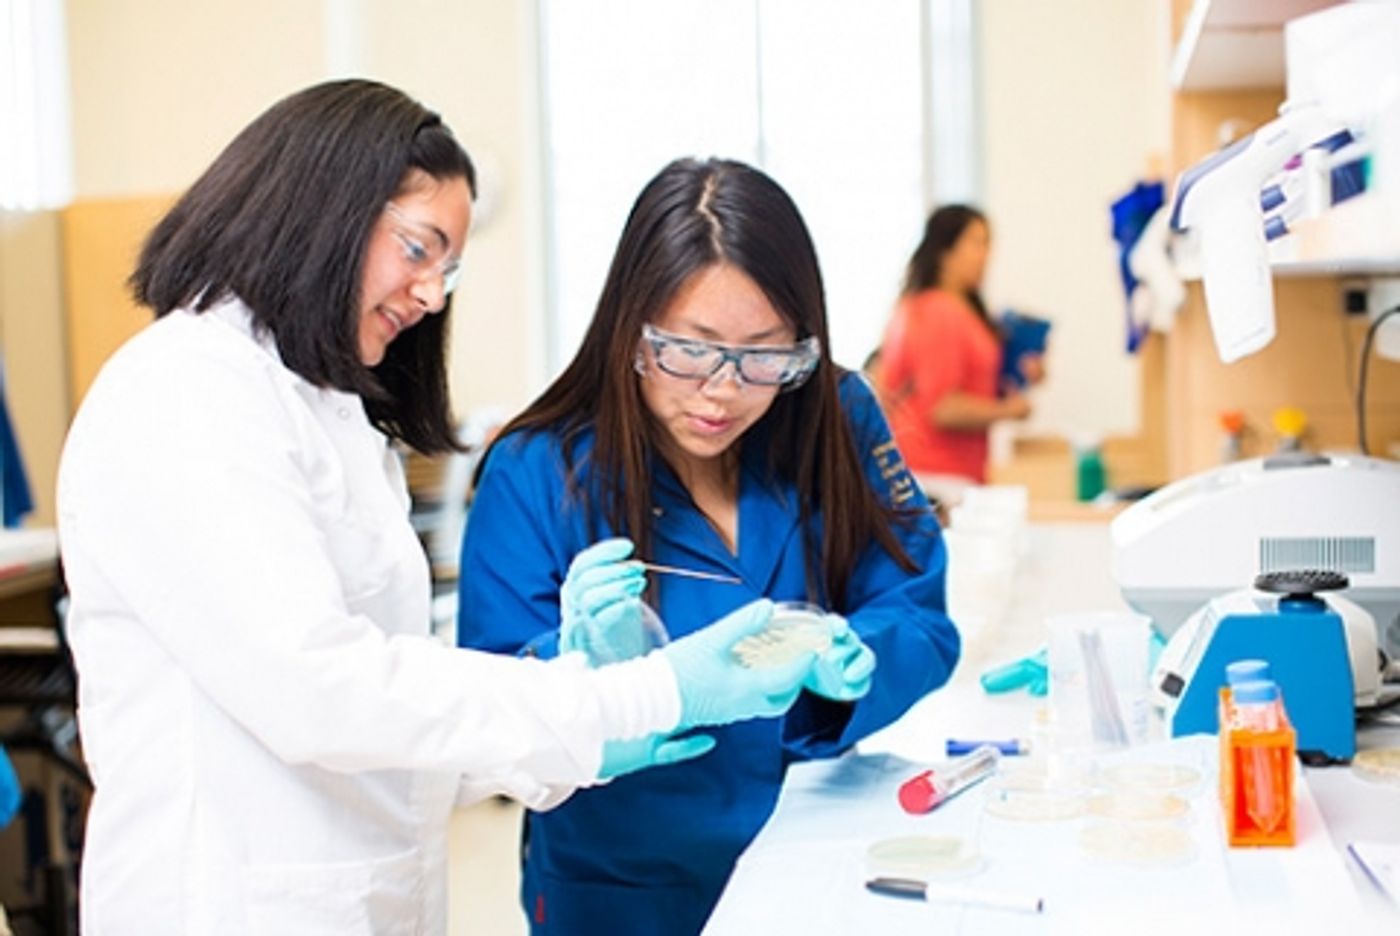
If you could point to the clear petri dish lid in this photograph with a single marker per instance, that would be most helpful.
(648, 637)
(795, 628)
(1032, 795)
(1147, 776)
(1033, 805)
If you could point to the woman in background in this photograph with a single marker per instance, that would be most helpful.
(704, 425)
(941, 358)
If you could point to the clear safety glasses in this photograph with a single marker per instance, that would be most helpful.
(785, 366)
(424, 248)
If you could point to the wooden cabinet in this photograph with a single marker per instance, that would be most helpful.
(101, 241)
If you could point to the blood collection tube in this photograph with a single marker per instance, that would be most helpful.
(925, 791)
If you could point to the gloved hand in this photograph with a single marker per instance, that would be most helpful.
(716, 688)
(844, 671)
(653, 750)
(600, 604)
(1031, 672)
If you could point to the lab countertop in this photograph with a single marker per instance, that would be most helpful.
(28, 559)
(806, 870)
(28, 571)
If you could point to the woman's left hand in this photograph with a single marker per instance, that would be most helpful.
(844, 671)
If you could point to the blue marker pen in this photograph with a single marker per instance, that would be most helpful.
(1010, 747)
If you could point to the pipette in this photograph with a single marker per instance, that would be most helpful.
(691, 573)
(925, 791)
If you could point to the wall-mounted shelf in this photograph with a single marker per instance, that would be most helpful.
(1235, 44)
(1359, 237)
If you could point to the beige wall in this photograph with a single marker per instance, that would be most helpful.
(160, 86)
(1075, 105)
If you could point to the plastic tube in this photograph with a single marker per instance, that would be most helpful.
(1258, 711)
(925, 791)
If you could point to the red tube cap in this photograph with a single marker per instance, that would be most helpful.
(917, 794)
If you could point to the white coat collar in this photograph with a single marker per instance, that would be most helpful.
(236, 314)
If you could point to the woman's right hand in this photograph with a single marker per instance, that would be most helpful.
(601, 606)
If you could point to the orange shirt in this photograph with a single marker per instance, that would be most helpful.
(936, 344)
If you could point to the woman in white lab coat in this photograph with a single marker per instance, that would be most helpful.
(274, 738)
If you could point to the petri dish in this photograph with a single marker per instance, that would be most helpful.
(1150, 777)
(1137, 804)
(649, 637)
(795, 628)
(1136, 844)
(1033, 805)
(922, 856)
(1033, 796)
(1379, 766)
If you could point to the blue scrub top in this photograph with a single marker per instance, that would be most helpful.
(650, 852)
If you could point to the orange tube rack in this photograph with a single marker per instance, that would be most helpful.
(1258, 762)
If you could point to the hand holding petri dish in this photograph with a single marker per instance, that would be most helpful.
(629, 638)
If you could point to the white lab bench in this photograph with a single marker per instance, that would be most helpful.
(805, 872)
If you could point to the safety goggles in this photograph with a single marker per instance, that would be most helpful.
(784, 366)
(424, 249)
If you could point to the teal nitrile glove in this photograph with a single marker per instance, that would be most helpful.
(844, 671)
(716, 688)
(600, 605)
(653, 750)
(1030, 672)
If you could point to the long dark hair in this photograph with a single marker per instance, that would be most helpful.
(282, 220)
(690, 217)
(941, 231)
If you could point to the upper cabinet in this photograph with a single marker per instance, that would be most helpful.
(1230, 45)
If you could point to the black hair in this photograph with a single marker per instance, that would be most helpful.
(282, 219)
(693, 216)
(941, 231)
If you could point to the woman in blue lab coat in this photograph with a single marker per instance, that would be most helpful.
(703, 420)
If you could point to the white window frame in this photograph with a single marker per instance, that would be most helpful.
(36, 160)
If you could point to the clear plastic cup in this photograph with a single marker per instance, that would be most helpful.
(1098, 679)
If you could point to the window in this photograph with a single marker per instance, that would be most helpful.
(826, 96)
(36, 158)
